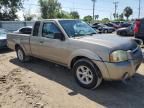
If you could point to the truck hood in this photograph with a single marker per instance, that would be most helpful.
(113, 42)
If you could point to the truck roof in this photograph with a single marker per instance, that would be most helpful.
(56, 19)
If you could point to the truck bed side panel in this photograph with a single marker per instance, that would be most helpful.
(19, 39)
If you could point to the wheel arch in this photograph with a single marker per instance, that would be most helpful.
(17, 46)
(83, 53)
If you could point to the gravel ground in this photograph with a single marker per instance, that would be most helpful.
(41, 84)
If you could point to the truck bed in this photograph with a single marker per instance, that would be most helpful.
(22, 39)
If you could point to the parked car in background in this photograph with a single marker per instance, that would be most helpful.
(139, 29)
(126, 31)
(24, 30)
(3, 38)
(117, 22)
(125, 24)
(97, 31)
(95, 24)
(74, 44)
(112, 25)
(103, 28)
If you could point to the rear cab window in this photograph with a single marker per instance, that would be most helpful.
(25, 31)
(36, 28)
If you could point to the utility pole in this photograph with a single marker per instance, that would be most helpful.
(139, 9)
(116, 6)
(93, 9)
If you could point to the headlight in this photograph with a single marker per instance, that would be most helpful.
(118, 56)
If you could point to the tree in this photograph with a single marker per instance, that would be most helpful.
(121, 16)
(96, 17)
(115, 15)
(29, 17)
(88, 18)
(63, 14)
(49, 8)
(128, 12)
(74, 15)
(9, 8)
(105, 20)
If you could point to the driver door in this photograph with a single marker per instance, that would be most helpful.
(51, 48)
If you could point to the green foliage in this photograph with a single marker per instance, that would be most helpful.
(128, 12)
(105, 20)
(96, 17)
(63, 14)
(29, 17)
(52, 9)
(88, 19)
(121, 16)
(8, 9)
(115, 15)
(74, 15)
(49, 8)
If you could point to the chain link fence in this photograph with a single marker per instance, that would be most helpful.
(14, 25)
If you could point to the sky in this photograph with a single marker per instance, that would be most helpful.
(104, 8)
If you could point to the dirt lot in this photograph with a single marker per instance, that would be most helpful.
(40, 84)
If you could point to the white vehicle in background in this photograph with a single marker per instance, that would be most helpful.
(24, 30)
(3, 38)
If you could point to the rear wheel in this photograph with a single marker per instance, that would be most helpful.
(21, 55)
(105, 31)
(124, 33)
(86, 74)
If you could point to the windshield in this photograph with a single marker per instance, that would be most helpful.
(2, 32)
(76, 28)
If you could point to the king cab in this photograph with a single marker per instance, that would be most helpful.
(74, 44)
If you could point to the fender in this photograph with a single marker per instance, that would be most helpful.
(92, 56)
(19, 42)
(85, 53)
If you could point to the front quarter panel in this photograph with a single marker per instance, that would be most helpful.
(85, 53)
(96, 59)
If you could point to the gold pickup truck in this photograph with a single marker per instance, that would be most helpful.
(74, 44)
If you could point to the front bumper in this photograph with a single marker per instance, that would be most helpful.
(117, 71)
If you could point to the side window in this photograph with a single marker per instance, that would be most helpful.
(49, 29)
(36, 28)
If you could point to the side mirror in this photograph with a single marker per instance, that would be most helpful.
(59, 36)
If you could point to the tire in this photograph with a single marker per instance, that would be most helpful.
(86, 74)
(21, 55)
(105, 31)
(123, 33)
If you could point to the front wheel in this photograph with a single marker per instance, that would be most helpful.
(86, 74)
(105, 31)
